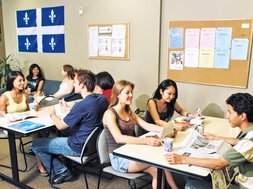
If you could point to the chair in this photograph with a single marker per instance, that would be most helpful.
(105, 166)
(88, 153)
(139, 130)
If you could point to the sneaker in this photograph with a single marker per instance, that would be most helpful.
(62, 177)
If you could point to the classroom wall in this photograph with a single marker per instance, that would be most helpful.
(210, 98)
(142, 68)
(2, 49)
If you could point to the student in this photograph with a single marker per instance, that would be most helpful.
(85, 115)
(239, 114)
(104, 84)
(161, 107)
(16, 100)
(35, 79)
(66, 86)
(119, 123)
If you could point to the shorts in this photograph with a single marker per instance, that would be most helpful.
(119, 164)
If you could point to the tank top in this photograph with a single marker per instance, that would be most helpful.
(13, 106)
(165, 116)
(126, 128)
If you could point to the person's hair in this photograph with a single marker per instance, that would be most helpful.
(70, 71)
(40, 75)
(86, 77)
(163, 86)
(242, 103)
(12, 75)
(116, 90)
(104, 80)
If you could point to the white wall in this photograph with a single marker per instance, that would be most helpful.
(142, 68)
(210, 98)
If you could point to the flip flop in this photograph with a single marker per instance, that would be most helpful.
(44, 174)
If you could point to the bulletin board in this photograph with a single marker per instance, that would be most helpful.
(237, 70)
(108, 41)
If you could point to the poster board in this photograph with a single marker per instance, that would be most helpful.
(213, 59)
(108, 41)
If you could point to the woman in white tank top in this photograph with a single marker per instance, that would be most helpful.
(67, 84)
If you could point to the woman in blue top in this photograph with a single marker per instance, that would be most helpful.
(35, 79)
(161, 107)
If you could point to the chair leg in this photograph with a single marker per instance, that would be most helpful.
(99, 177)
(24, 155)
(132, 184)
(21, 148)
(85, 177)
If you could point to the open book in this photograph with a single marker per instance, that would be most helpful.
(18, 116)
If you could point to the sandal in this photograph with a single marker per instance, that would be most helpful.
(44, 174)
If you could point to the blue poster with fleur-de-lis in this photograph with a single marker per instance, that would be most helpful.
(41, 30)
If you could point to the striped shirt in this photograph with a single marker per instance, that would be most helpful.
(241, 156)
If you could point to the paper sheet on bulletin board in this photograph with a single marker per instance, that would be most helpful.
(214, 52)
(108, 41)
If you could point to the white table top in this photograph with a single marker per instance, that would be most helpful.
(42, 117)
(155, 155)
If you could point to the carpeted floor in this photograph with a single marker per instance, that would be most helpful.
(33, 179)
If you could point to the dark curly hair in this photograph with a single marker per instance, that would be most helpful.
(242, 103)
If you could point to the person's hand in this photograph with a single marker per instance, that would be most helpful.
(63, 103)
(209, 136)
(181, 126)
(2, 113)
(52, 111)
(173, 158)
(152, 141)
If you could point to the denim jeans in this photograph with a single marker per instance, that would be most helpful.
(44, 148)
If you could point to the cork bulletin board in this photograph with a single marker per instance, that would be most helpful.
(108, 41)
(212, 52)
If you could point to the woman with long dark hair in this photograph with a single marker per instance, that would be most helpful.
(161, 107)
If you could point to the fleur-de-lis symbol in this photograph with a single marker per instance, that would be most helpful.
(52, 16)
(26, 18)
(27, 43)
(52, 43)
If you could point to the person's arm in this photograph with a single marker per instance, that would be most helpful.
(154, 114)
(232, 141)
(148, 126)
(3, 104)
(68, 90)
(109, 120)
(40, 85)
(27, 99)
(58, 122)
(203, 162)
(180, 110)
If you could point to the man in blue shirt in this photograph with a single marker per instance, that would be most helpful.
(84, 117)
